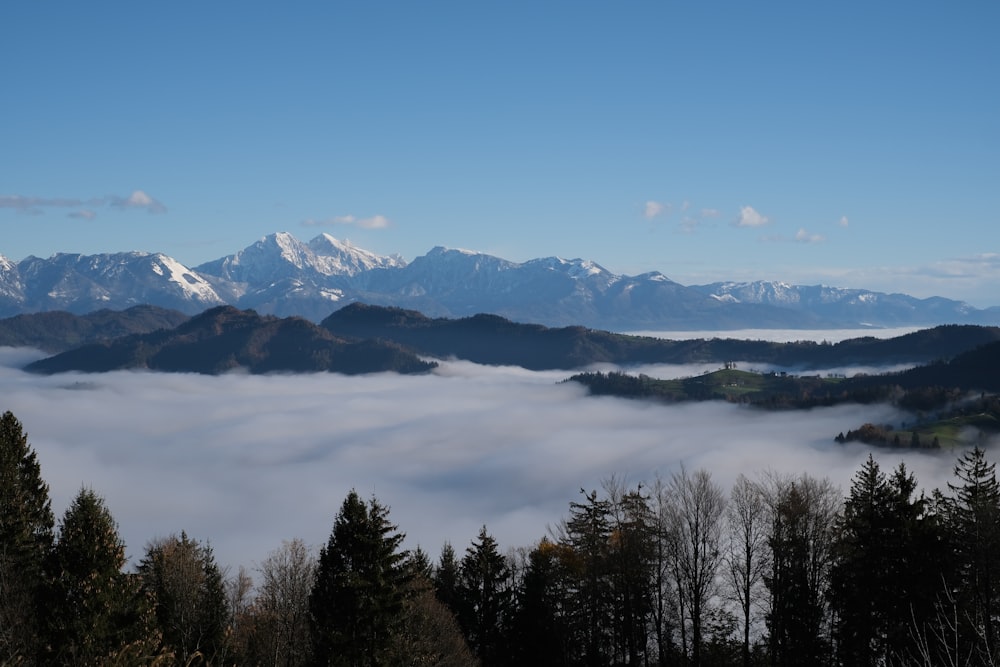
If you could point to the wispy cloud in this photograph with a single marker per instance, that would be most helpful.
(372, 222)
(749, 217)
(28, 205)
(653, 209)
(843, 222)
(803, 236)
(140, 200)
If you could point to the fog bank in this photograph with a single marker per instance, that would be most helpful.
(247, 461)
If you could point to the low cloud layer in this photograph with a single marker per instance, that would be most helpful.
(247, 461)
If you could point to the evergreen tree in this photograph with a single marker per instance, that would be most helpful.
(446, 578)
(859, 589)
(631, 551)
(357, 602)
(189, 598)
(802, 517)
(485, 597)
(588, 533)
(541, 629)
(93, 609)
(974, 523)
(26, 523)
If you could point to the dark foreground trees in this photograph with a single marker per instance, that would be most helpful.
(93, 609)
(357, 603)
(26, 523)
(187, 590)
(784, 571)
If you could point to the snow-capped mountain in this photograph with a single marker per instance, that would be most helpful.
(283, 276)
(838, 304)
(83, 283)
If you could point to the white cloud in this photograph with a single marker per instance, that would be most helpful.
(83, 214)
(802, 236)
(843, 222)
(653, 209)
(748, 217)
(373, 222)
(138, 200)
(260, 459)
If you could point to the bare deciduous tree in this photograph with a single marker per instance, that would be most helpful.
(746, 559)
(695, 506)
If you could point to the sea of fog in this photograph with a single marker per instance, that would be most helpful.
(245, 462)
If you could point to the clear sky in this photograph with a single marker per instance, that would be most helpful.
(845, 143)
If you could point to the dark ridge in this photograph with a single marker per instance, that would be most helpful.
(224, 339)
(490, 339)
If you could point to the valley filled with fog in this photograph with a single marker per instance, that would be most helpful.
(245, 462)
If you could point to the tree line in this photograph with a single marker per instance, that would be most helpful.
(778, 570)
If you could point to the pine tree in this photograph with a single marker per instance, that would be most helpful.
(541, 625)
(357, 602)
(446, 578)
(93, 609)
(484, 599)
(26, 523)
(974, 523)
(859, 575)
(588, 534)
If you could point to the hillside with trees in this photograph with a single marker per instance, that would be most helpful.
(224, 339)
(490, 339)
(777, 570)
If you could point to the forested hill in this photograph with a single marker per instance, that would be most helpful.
(58, 331)
(224, 339)
(924, 387)
(489, 339)
(150, 337)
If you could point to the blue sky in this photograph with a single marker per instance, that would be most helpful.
(851, 143)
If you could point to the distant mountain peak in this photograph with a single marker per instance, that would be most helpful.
(280, 275)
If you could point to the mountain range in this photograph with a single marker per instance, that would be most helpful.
(283, 276)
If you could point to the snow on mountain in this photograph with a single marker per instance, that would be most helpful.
(281, 256)
(283, 276)
(838, 304)
(335, 257)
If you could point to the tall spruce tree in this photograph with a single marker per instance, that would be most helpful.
(26, 523)
(357, 602)
(541, 623)
(93, 609)
(588, 533)
(859, 579)
(974, 523)
(485, 597)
